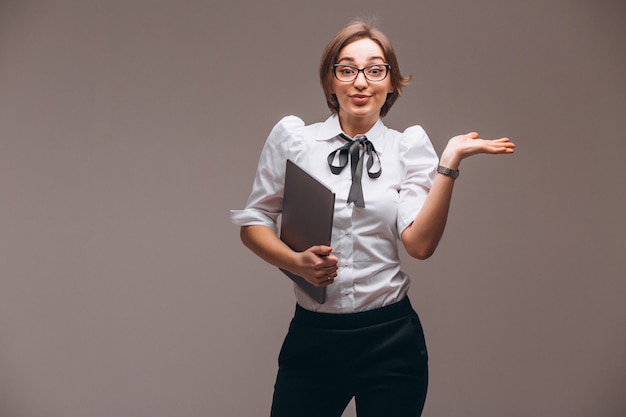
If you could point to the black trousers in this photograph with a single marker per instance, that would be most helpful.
(378, 357)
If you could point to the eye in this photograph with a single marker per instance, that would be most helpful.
(345, 70)
(375, 70)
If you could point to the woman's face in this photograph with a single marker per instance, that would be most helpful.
(360, 100)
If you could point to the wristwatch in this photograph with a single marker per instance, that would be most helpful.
(452, 173)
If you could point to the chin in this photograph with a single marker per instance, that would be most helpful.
(366, 113)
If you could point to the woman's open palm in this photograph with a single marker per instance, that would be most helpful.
(462, 146)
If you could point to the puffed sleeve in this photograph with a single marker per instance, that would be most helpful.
(266, 199)
(419, 168)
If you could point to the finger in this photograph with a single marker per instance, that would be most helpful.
(325, 280)
(326, 272)
(500, 149)
(331, 270)
(503, 143)
(321, 283)
(499, 143)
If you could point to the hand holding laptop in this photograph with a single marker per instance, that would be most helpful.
(318, 266)
(306, 227)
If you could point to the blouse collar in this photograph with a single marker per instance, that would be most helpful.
(331, 128)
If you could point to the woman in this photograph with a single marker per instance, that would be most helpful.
(366, 340)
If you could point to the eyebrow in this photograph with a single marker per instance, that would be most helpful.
(372, 58)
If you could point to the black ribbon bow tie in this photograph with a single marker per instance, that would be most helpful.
(353, 148)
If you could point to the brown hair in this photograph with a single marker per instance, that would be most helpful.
(354, 31)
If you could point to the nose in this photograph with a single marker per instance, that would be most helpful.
(360, 81)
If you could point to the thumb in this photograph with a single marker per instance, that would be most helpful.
(321, 250)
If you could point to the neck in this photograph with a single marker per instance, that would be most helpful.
(353, 126)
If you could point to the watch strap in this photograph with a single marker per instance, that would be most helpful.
(452, 173)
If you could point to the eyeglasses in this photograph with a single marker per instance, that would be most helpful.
(348, 73)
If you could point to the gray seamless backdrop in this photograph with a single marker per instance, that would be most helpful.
(129, 129)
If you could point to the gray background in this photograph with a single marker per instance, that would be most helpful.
(128, 129)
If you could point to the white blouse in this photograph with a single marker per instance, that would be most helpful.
(365, 240)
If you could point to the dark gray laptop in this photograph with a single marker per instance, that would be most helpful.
(307, 219)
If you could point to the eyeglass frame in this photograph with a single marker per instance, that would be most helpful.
(358, 70)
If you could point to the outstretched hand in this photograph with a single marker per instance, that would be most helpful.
(463, 146)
